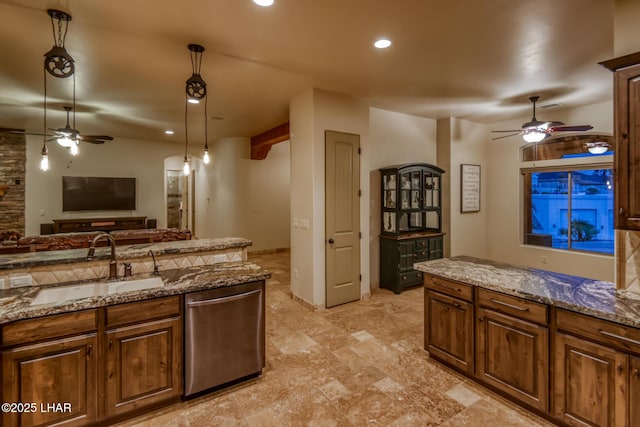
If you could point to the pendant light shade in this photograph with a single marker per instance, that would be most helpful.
(44, 159)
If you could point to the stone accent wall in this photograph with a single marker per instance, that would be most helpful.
(13, 156)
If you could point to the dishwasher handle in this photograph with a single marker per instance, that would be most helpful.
(222, 299)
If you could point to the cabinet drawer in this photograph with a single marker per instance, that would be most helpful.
(602, 331)
(44, 328)
(449, 287)
(410, 277)
(514, 306)
(134, 312)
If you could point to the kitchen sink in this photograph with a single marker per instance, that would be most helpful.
(94, 289)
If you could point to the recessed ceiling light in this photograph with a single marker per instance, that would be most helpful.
(263, 2)
(169, 132)
(382, 43)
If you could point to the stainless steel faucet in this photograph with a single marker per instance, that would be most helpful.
(113, 263)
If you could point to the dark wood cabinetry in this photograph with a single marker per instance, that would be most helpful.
(512, 346)
(99, 224)
(411, 222)
(597, 371)
(589, 383)
(626, 94)
(399, 253)
(43, 365)
(448, 329)
(129, 360)
(143, 354)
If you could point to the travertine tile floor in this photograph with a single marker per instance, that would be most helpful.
(361, 363)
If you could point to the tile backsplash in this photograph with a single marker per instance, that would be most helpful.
(98, 269)
(628, 260)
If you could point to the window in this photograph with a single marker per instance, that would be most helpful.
(570, 208)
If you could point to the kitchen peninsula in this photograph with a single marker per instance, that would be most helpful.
(565, 347)
(112, 349)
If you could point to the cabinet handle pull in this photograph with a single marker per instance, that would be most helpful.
(89, 350)
(515, 307)
(610, 335)
(620, 369)
(636, 373)
(110, 344)
(444, 285)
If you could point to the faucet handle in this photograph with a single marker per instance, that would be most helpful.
(127, 269)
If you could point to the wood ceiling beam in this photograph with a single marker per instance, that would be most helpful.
(261, 143)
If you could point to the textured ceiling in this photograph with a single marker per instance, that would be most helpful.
(473, 59)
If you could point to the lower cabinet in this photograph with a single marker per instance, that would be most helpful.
(49, 368)
(57, 379)
(144, 360)
(580, 371)
(512, 346)
(513, 356)
(78, 370)
(590, 383)
(449, 329)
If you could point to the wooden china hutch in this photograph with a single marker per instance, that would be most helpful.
(411, 222)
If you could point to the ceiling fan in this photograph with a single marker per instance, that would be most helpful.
(68, 136)
(536, 130)
(73, 134)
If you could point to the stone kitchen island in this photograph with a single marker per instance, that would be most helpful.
(109, 348)
(565, 347)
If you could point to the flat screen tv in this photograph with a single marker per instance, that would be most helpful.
(90, 193)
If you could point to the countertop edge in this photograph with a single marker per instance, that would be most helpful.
(599, 300)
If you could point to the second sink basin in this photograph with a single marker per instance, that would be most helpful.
(95, 289)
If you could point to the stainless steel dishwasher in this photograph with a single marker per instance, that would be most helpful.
(224, 335)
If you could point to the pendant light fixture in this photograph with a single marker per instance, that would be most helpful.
(195, 92)
(59, 64)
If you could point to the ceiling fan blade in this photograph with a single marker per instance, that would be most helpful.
(22, 132)
(93, 141)
(504, 136)
(104, 137)
(555, 124)
(578, 128)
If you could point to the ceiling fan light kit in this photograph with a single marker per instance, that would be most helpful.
(598, 148)
(535, 130)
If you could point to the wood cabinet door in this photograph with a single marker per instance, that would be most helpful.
(59, 377)
(448, 329)
(590, 383)
(513, 355)
(144, 365)
(634, 391)
(627, 158)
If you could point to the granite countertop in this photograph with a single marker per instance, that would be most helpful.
(33, 259)
(15, 303)
(596, 298)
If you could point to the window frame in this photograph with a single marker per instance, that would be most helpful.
(569, 166)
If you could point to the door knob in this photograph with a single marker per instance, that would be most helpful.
(330, 241)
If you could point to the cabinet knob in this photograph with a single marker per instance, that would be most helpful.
(636, 373)
(619, 368)
(331, 241)
(480, 319)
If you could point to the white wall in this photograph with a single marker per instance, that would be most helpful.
(467, 231)
(312, 112)
(395, 139)
(234, 195)
(626, 34)
(504, 201)
(143, 160)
